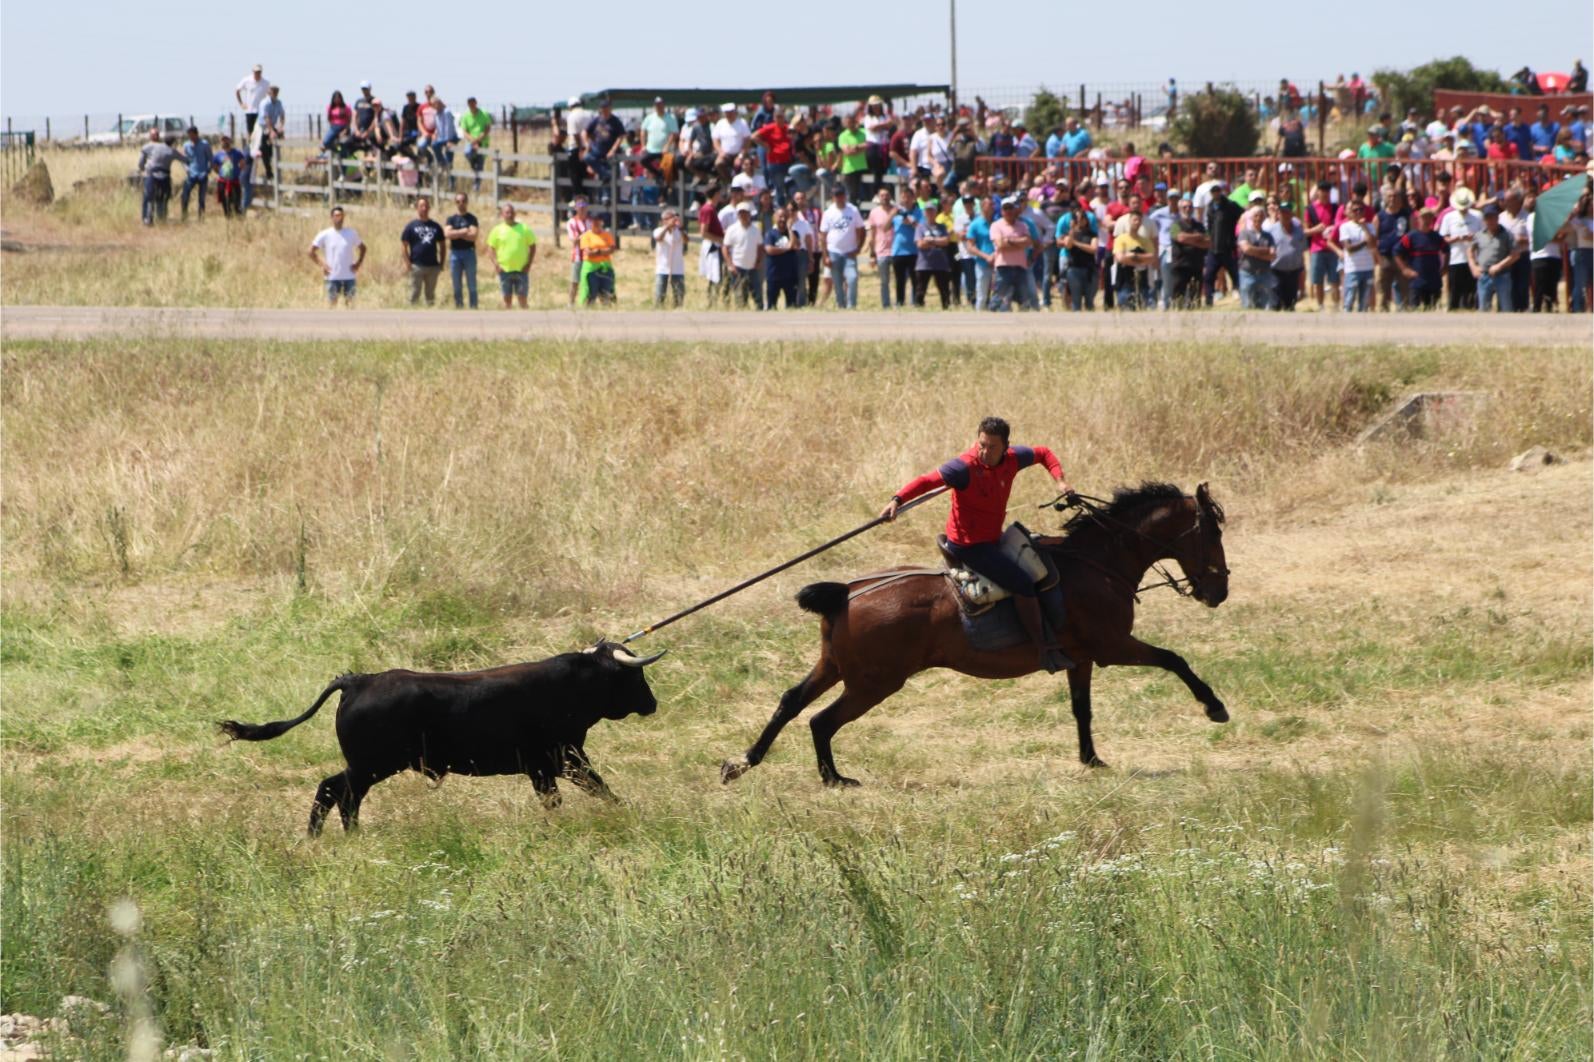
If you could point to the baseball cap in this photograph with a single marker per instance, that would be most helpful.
(1375, 130)
(1491, 211)
(658, 99)
(364, 84)
(691, 114)
(728, 108)
(744, 206)
(578, 202)
(573, 101)
(1258, 197)
(258, 68)
(1160, 186)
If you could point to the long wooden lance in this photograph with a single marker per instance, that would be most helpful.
(760, 577)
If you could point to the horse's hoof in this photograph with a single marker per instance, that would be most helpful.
(731, 770)
(1217, 713)
(841, 781)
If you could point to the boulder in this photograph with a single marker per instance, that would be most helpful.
(1533, 459)
(35, 186)
(1426, 415)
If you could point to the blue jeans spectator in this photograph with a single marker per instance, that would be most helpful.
(246, 184)
(1495, 289)
(1038, 273)
(984, 275)
(195, 180)
(157, 193)
(775, 175)
(964, 275)
(1358, 289)
(477, 159)
(1134, 288)
(462, 268)
(1082, 287)
(1582, 275)
(1256, 289)
(1015, 282)
(671, 282)
(883, 269)
(844, 276)
(333, 133)
(600, 167)
(1165, 274)
(801, 178)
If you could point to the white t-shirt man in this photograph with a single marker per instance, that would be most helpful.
(727, 214)
(1358, 244)
(669, 252)
(254, 92)
(926, 149)
(742, 243)
(730, 133)
(1460, 226)
(804, 232)
(843, 229)
(337, 247)
(1203, 196)
(751, 184)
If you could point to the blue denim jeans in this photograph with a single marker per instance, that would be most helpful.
(157, 193)
(844, 276)
(1256, 289)
(1496, 290)
(1358, 288)
(984, 276)
(775, 177)
(190, 183)
(462, 267)
(1082, 287)
(663, 282)
(340, 287)
(883, 269)
(991, 561)
(1014, 282)
(1582, 276)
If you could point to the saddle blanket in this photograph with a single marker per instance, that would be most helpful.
(998, 627)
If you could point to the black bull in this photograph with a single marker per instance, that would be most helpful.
(529, 719)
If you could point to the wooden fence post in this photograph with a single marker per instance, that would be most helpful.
(1322, 118)
(47, 128)
(614, 202)
(553, 195)
(232, 127)
(119, 136)
(85, 127)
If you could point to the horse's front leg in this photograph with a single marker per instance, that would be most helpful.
(1079, 695)
(1136, 653)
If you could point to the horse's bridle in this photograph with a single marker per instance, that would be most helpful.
(1184, 587)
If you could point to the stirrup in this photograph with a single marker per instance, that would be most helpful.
(1054, 659)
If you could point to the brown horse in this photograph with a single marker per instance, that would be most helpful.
(873, 641)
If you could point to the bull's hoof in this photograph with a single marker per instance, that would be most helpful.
(1217, 713)
(551, 801)
(841, 781)
(1096, 761)
(731, 770)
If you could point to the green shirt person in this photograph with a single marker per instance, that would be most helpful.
(512, 246)
(1376, 147)
(854, 145)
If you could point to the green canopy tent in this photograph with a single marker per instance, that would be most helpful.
(1554, 207)
(633, 98)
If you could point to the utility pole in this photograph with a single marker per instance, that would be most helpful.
(954, 7)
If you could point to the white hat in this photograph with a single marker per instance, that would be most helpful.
(1257, 196)
(365, 84)
(574, 101)
(728, 108)
(691, 114)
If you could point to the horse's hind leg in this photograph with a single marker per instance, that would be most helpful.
(824, 675)
(843, 710)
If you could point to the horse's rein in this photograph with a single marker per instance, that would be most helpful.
(1092, 507)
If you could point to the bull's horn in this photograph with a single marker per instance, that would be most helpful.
(625, 656)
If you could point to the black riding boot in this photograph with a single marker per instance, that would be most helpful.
(1052, 658)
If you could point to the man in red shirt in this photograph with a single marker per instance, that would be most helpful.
(981, 479)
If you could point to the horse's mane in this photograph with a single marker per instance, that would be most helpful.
(1126, 502)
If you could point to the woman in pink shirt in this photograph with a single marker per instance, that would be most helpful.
(338, 118)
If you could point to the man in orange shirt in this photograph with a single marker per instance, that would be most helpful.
(597, 265)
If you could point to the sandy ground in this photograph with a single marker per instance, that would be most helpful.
(76, 322)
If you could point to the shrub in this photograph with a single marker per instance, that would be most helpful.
(1219, 123)
(1046, 112)
(1415, 87)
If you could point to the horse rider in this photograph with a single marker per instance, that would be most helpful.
(981, 479)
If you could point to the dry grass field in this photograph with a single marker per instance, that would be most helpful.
(1384, 855)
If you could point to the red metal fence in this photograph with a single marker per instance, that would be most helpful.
(1484, 178)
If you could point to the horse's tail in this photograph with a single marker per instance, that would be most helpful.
(823, 599)
(266, 731)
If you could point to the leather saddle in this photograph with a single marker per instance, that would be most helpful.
(977, 594)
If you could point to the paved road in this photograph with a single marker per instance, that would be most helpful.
(1509, 332)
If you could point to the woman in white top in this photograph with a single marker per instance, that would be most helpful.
(1547, 266)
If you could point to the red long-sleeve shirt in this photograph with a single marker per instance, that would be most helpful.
(979, 494)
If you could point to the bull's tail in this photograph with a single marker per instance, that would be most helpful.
(823, 599)
(266, 731)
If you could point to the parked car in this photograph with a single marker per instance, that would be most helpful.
(135, 129)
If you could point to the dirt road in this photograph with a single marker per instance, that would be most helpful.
(1508, 332)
